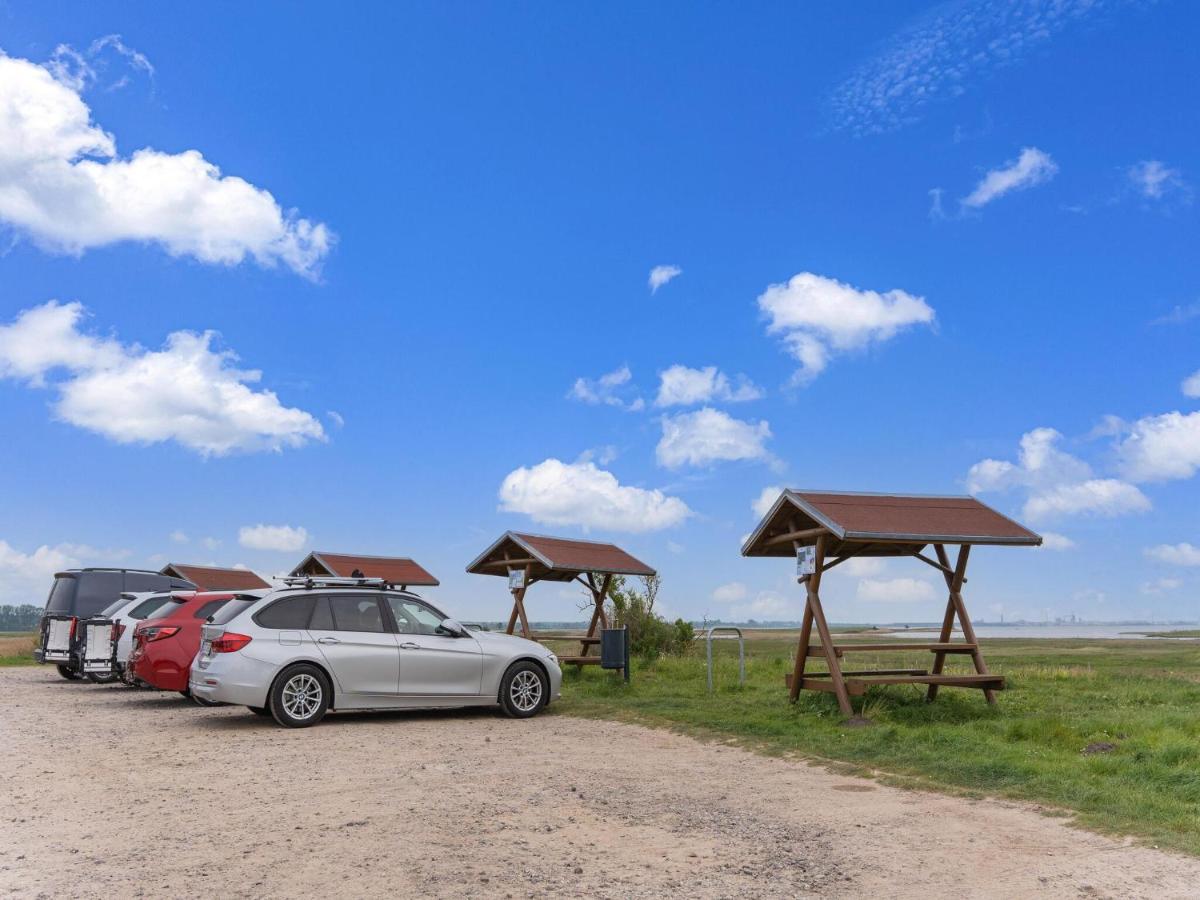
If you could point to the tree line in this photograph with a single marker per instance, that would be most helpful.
(20, 618)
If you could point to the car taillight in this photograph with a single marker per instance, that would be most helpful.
(74, 622)
(230, 642)
(158, 632)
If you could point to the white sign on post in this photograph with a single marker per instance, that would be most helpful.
(806, 561)
(516, 579)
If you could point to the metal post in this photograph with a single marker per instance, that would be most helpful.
(709, 635)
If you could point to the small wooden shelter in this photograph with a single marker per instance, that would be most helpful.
(528, 558)
(215, 578)
(823, 529)
(397, 570)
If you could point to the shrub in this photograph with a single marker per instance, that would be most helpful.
(650, 635)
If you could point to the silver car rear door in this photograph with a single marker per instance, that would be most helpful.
(349, 630)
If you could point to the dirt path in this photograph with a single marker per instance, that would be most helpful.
(111, 792)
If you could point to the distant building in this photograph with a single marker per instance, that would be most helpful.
(215, 578)
(398, 570)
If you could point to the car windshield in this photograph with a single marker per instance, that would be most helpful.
(62, 594)
(232, 609)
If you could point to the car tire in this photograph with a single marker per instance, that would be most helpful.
(68, 673)
(97, 678)
(259, 710)
(524, 690)
(186, 693)
(300, 696)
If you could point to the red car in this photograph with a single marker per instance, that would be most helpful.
(165, 644)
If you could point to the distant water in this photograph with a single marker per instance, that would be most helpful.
(1132, 632)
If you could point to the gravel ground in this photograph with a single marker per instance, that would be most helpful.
(111, 792)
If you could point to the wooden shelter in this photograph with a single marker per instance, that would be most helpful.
(215, 578)
(823, 529)
(397, 570)
(528, 558)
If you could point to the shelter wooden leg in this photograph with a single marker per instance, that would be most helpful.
(598, 615)
(512, 619)
(939, 658)
(960, 571)
(802, 651)
(818, 615)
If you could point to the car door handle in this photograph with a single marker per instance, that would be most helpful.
(409, 645)
(328, 640)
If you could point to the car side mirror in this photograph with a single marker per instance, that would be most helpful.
(453, 628)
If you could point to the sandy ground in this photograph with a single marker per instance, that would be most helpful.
(106, 791)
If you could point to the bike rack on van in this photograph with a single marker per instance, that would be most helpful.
(710, 634)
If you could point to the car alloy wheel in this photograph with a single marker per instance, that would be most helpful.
(526, 691)
(301, 696)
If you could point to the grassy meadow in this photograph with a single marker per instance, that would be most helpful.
(1107, 729)
(16, 648)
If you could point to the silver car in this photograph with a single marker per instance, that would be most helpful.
(339, 644)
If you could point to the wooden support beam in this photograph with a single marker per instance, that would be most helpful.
(949, 647)
(510, 563)
(945, 570)
(866, 672)
(818, 614)
(791, 536)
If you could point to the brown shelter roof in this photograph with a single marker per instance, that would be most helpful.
(393, 569)
(555, 559)
(894, 524)
(216, 578)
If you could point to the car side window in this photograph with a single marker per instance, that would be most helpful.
(322, 617)
(288, 613)
(414, 617)
(351, 613)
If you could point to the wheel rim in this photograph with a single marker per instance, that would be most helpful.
(301, 696)
(526, 691)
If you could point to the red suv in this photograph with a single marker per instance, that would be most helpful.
(165, 644)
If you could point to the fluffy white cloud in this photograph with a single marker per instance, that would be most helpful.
(1031, 168)
(1053, 541)
(283, 538)
(766, 606)
(730, 593)
(178, 537)
(660, 275)
(1176, 554)
(766, 499)
(819, 317)
(63, 184)
(1058, 483)
(186, 392)
(681, 386)
(895, 590)
(1161, 585)
(1191, 385)
(709, 435)
(1155, 180)
(1161, 448)
(614, 388)
(26, 577)
(580, 493)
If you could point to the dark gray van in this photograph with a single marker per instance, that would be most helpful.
(73, 635)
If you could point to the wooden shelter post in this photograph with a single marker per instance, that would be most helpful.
(599, 617)
(957, 606)
(813, 604)
(519, 608)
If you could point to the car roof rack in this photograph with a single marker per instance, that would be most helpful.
(308, 582)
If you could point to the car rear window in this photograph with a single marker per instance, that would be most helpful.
(62, 595)
(207, 609)
(290, 612)
(171, 606)
(112, 608)
(232, 609)
(356, 613)
(147, 607)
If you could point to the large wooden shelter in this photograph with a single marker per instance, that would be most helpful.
(398, 570)
(823, 529)
(525, 559)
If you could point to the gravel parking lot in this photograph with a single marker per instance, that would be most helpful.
(107, 791)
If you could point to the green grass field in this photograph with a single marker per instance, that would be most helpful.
(1141, 696)
(16, 649)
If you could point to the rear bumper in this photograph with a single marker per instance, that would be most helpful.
(164, 674)
(233, 678)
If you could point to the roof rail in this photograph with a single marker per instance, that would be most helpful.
(308, 582)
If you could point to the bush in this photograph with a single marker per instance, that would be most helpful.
(650, 635)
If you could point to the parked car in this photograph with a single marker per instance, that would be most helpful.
(166, 641)
(338, 644)
(125, 614)
(72, 633)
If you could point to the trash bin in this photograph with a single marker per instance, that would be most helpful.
(614, 649)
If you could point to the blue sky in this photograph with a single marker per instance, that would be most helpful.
(927, 248)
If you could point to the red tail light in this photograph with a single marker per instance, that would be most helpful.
(158, 632)
(74, 622)
(230, 642)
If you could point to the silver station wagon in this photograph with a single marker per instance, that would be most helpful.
(337, 644)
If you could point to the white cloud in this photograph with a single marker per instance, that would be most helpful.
(1161, 585)
(210, 543)
(1058, 484)
(895, 590)
(1176, 554)
(186, 392)
(63, 184)
(1161, 448)
(178, 537)
(1154, 180)
(1031, 168)
(730, 593)
(1191, 385)
(819, 317)
(336, 418)
(766, 606)
(282, 538)
(558, 493)
(1178, 315)
(26, 577)
(1053, 541)
(681, 386)
(709, 435)
(863, 567)
(765, 500)
(942, 54)
(614, 388)
(660, 275)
